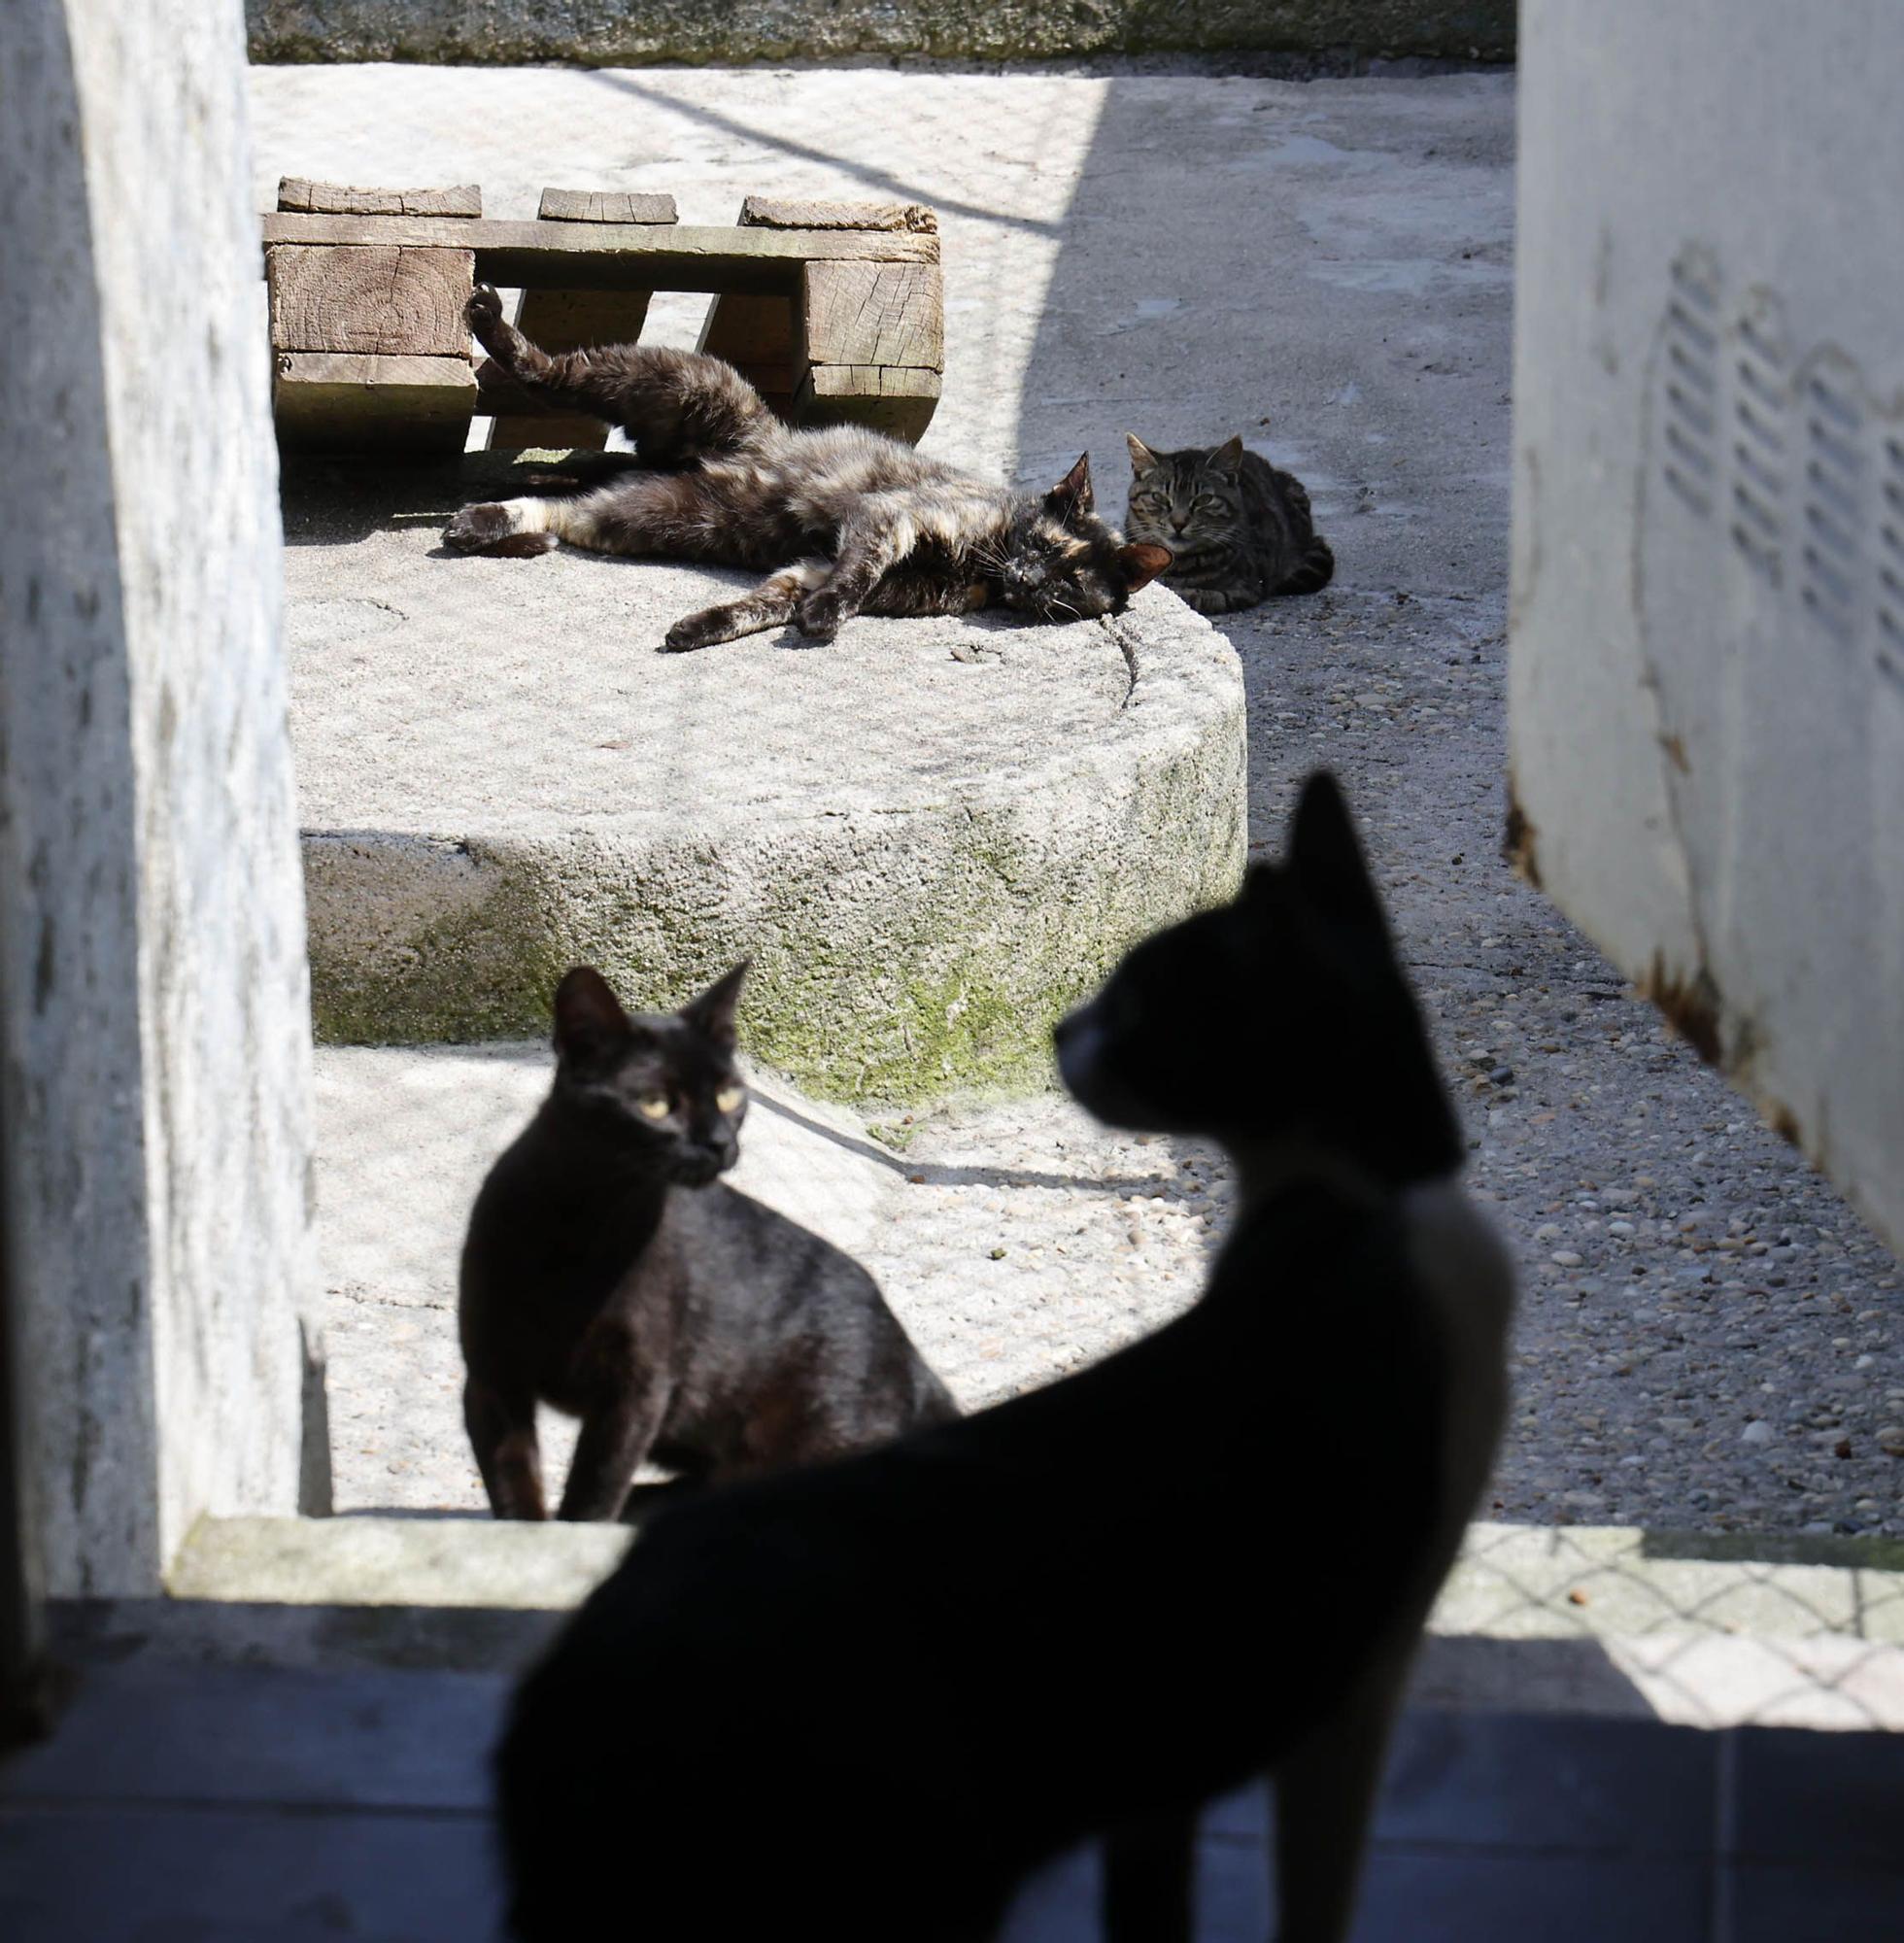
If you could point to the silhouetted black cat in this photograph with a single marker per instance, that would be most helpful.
(608, 1273)
(863, 1700)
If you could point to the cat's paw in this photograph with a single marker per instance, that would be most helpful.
(818, 615)
(1204, 600)
(482, 313)
(478, 527)
(491, 528)
(695, 630)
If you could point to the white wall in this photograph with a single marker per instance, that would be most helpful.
(156, 1048)
(1707, 677)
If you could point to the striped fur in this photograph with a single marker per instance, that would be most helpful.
(1240, 530)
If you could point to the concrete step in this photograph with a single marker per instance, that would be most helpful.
(1589, 1620)
(1712, 1631)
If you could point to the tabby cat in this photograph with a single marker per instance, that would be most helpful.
(1236, 529)
(865, 1700)
(608, 1273)
(852, 521)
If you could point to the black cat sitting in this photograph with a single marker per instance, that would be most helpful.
(863, 1701)
(608, 1273)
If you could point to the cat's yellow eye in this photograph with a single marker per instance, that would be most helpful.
(653, 1107)
(730, 1097)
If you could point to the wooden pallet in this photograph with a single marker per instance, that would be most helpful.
(835, 310)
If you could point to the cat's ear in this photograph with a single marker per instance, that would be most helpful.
(1325, 859)
(589, 1017)
(1140, 563)
(1142, 458)
(1072, 494)
(712, 1013)
(1227, 458)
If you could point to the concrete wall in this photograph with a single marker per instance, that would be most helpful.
(155, 1040)
(1707, 688)
(22, 1590)
(642, 31)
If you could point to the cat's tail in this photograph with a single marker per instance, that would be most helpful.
(1315, 569)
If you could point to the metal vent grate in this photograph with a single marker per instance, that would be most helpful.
(1761, 403)
(1889, 602)
(1802, 460)
(1835, 493)
(1690, 418)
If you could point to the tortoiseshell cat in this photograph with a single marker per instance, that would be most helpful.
(897, 1683)
(854, 522)
(608, 1273)
(1237, 529)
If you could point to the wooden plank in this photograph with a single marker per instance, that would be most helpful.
(873, 314)
(756, 336)
(577, 319)
(615, 255)
(345, 401)
(775, 383)
(887, 381)
(385, 302)
(850, 319)
(438, 377)
(773, 211)
(596, 205)
(884, 396)
(318, 198)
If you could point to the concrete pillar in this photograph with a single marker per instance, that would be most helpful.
(1707, 677)
(155, 1047)
(22, 1626)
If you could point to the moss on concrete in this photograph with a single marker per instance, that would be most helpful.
(973, 925)
(644, 32)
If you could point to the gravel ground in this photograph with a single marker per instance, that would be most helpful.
(1027, 1240)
